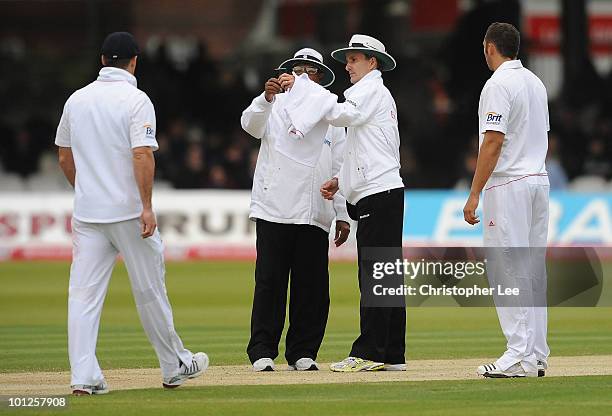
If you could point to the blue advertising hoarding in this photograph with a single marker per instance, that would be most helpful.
(575, 219)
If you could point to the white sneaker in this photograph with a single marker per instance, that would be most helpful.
(199, 363)
(263, 364)
(395, 367)
(305, 364)
(493, 371)
(542, 366)
(86, 390)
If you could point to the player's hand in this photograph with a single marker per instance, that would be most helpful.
(148, 223)
(286, 81)
(272, 88)
(329, 188)
(469, 211)
(343, 229)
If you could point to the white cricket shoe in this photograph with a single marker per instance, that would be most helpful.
(304, 364)
(263, 364)
(86, 390)
(199, 363)
(542, 366)
(356, 364)
(395, 367)
(493, 371)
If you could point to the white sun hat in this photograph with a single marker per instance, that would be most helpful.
(368, 45)
(314, 58)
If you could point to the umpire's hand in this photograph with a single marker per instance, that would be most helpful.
(329, 188)
(272, 88)
(343, 229)
(286, 81)
(148, 222)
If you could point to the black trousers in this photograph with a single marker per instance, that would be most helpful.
(302, 252)
(380, 220)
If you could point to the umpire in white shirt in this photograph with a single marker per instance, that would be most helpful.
(371, 183)
(106, 138)
(292, 220)
(513, 128)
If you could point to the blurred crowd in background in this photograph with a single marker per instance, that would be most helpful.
(199, 99)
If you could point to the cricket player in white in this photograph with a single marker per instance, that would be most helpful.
(513, 123)
(106, 138)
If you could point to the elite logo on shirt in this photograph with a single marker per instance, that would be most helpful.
(493, 118)
(149, 133)
(327, 142)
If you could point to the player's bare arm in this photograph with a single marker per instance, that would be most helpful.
(487, 159)
(329, 188)
(144, 171)
(66, 162)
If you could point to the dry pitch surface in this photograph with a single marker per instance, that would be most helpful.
(234, 375)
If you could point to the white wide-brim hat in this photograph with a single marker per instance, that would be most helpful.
(370, 46)
(315, 59)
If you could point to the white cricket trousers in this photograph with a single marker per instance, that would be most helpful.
(95, 249)
(515, 222)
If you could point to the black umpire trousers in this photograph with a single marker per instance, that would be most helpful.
(299, 251)
(380, 219)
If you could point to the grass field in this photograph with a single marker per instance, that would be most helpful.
(212, 310)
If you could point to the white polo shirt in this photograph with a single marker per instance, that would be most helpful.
(102, 123)
(514, 102)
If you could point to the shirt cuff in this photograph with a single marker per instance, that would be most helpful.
(62, 143)
(493, 128)
(343, 216)
(145, 143)
(261, 100)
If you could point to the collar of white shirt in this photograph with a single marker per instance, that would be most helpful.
(514, 64)
(111, 74)
(372, 75)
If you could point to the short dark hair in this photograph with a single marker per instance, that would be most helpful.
(117, 63)
(505, 37)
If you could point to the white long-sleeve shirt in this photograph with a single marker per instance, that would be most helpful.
(286, 190)
(372, 158)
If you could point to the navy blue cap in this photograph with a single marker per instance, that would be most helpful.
(120, 45)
